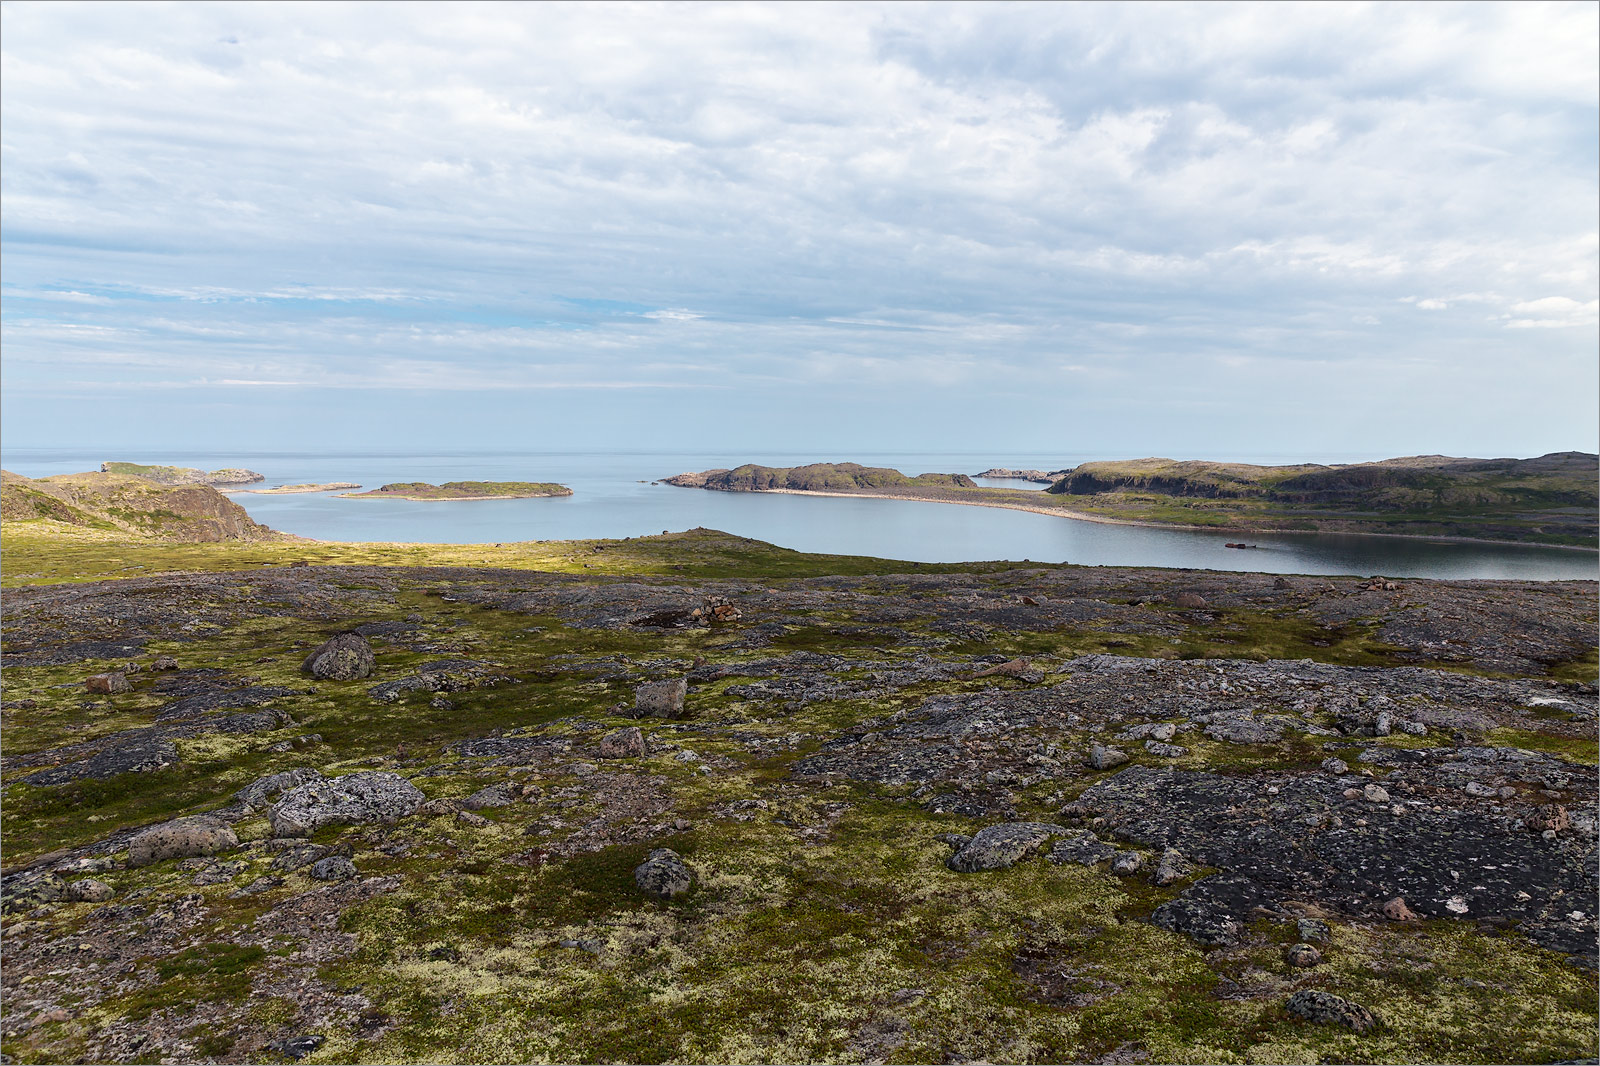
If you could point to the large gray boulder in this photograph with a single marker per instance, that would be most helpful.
(1325, 1008)
(660, 699)
(663, 875)
(369, 796)
(1000, 846)
(262, 790)
(182, 838)
(346, 657)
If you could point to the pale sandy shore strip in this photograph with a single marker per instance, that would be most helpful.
(1080, 516)
(445, 499)
(290, 490)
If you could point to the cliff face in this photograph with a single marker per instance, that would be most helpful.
(130, 504)
(816, 477)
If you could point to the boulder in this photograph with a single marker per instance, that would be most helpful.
(1189, 599)
(663, 875)
(1127, 863)
(999, 846)
(333, 868)
(625, 743)
(89, 891)
(1302, 955)
(1397, 911)
(346, 657)
(1082, 847)
(1172, 867)
(164, 662)
(490, 796)
(1104, 758)
(263, 790)
(1165, 751)
(1313, 929)
(1552, 816)
(181, 838)
(360, 798)
(1325, 1008)
(110, 684)
(660, 699)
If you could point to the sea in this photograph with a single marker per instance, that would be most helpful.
(621, 494)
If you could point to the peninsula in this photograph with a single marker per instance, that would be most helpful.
(182, 475)
(461, 490)
(286, 490)
(1548, 500)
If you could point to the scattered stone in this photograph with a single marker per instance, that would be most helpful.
(1165, 751)
(297, 1047)
(1335, 766)
(111, 684)
(1552, 817)
(439, 703)
(1104, 758)
(1127, 864)
(333, 868)
(163, 663)
(660, 699)
(471, 819)
(181, 838)
(297, 854)
(1302, 955)
(1325, 1008)
(346, 657)
(1375, 794)
(1281, 583)
(663, 875)
(1172, 867)
(999, 846)
(1314, 930)
(1214, 910)
(625, 743)
(1189, 600)
(1397, 911)
(500, 795)
(88, 890)
(359, 798)
(218, 872)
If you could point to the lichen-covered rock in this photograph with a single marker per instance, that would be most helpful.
(1165, 751)
(369, 796)
(1082, 847)
(999, 846)
(346, 657)
(89, 890)
(1396, 910)
(1172, 867)
(663, 875)
(1325, 1008)
(1302, 955)
(262, 790)
(626, 743)
(1314, 930)
(333, 868)
(1104, 758)
(181, 838)
(141, 755)
(1213, 911)
(497, 795)
(660, 699)
(1127, 863)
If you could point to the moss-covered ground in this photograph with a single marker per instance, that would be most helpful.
(824, 926)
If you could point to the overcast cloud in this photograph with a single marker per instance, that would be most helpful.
(1201, 230)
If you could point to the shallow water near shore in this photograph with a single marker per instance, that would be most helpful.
(614, 497)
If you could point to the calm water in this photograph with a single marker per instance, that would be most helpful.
(614, 497)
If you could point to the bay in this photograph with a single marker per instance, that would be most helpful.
(618, 495)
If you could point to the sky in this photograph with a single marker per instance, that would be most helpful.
(1191, 230)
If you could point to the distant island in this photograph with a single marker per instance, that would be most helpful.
(1007, 474)
(183, 475)
(461, 490)
(284, 490)
(1548, 500)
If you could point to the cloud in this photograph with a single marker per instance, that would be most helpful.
(949, 197)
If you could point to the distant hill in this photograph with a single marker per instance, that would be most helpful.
(816, 477)
(1548, 500)
(463, 490)
(125, 504)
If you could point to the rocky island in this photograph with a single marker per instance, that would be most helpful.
(461, 490)
(694, 797)
(1548, 500)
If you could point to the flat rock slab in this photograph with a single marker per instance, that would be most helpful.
(999, 846)
(360, 798)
